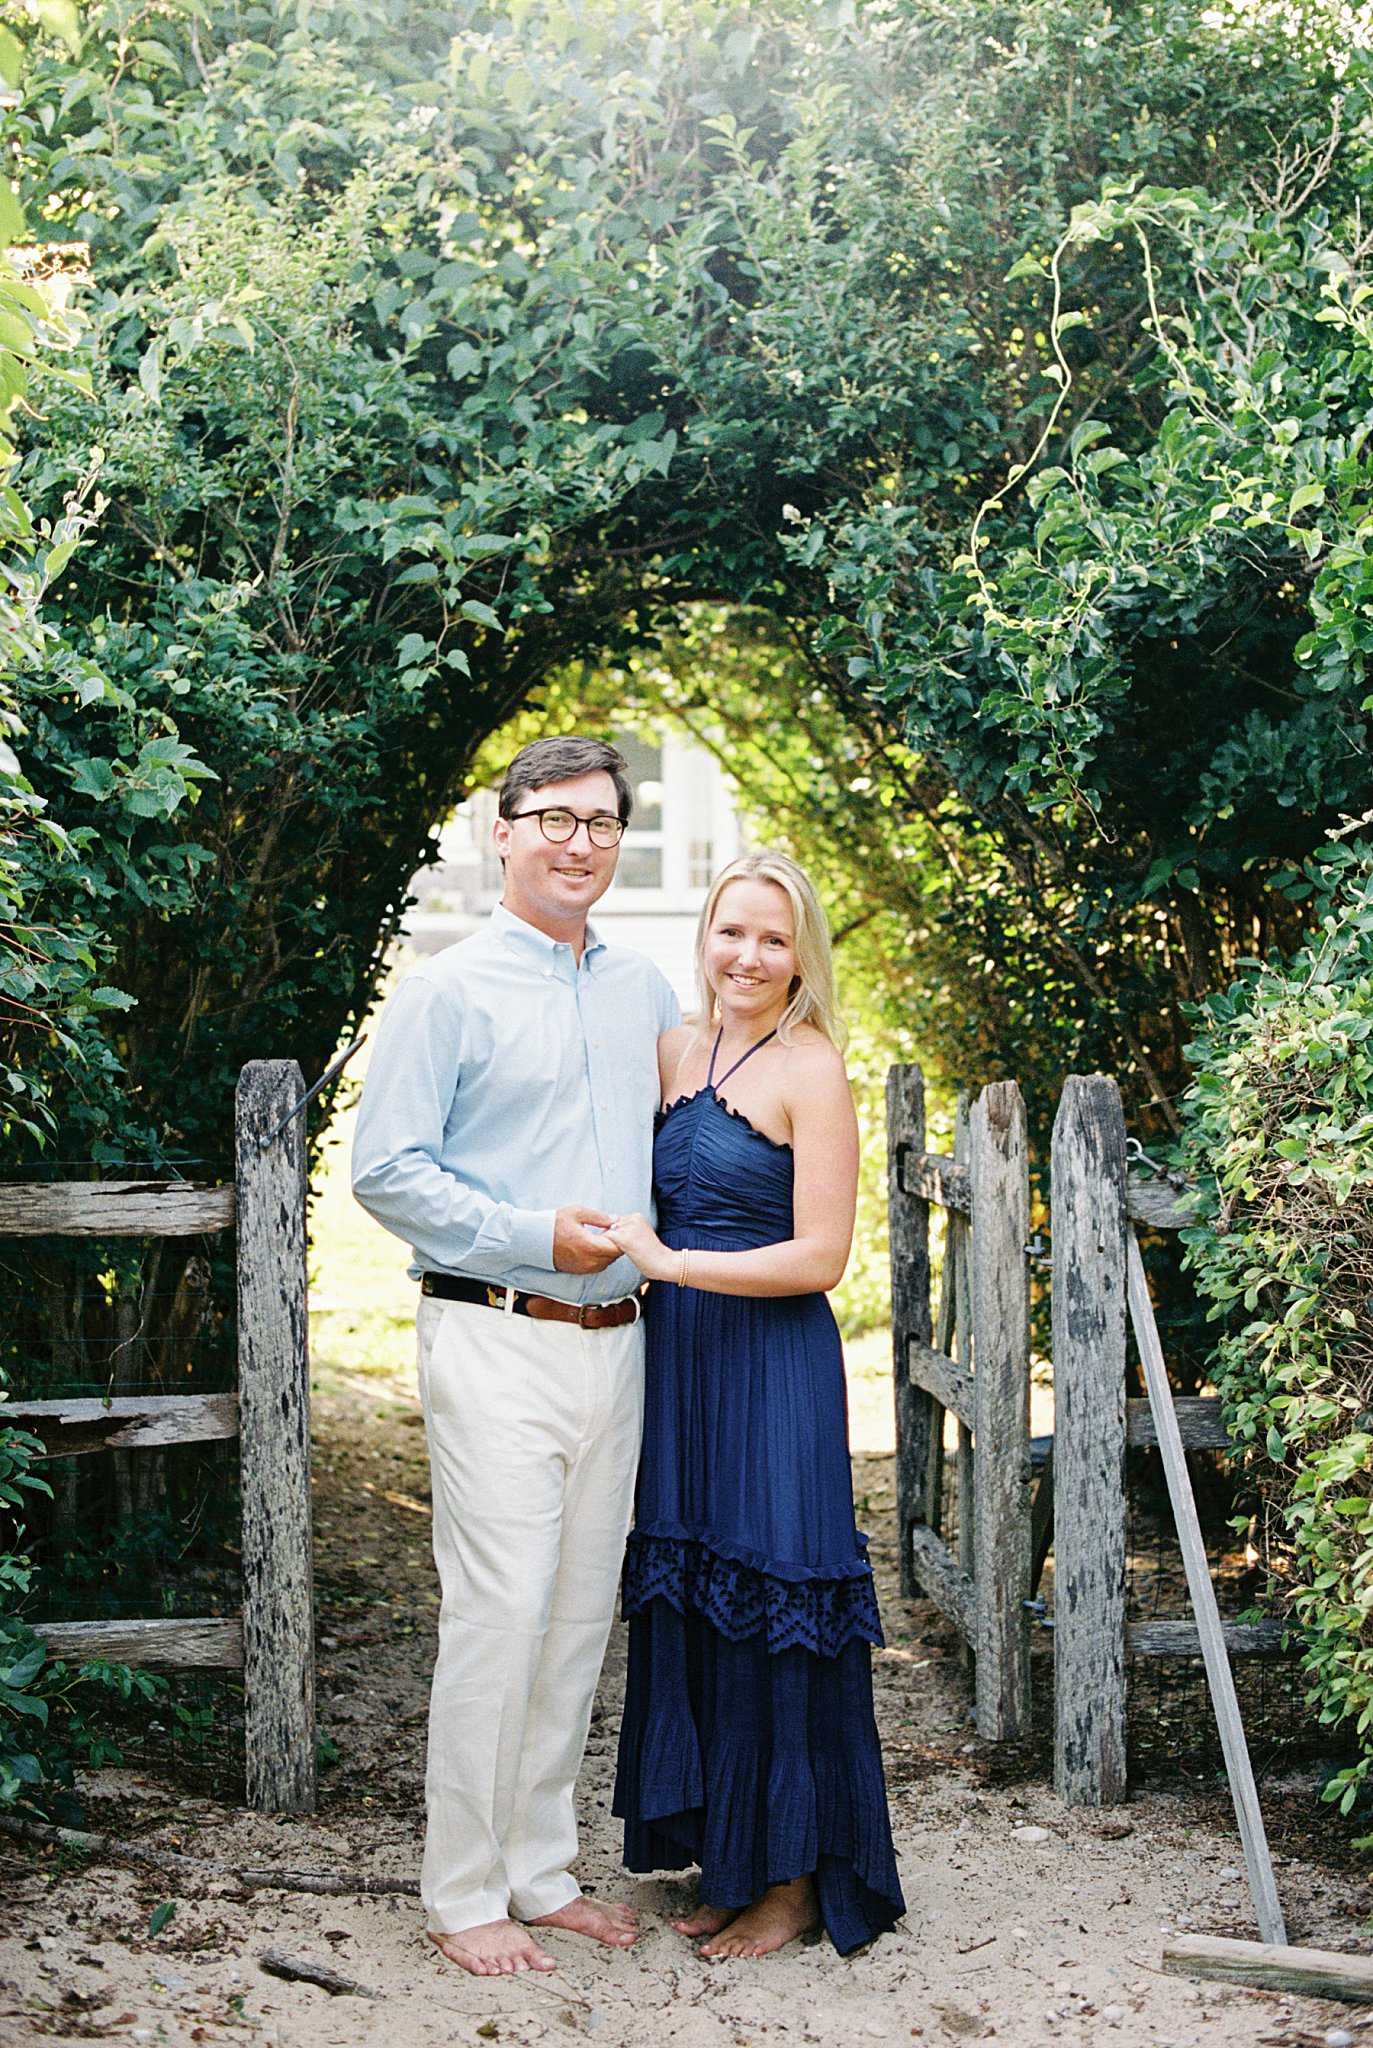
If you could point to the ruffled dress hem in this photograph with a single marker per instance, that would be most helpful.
(742, 1594)
(793, 1785)
(749, 1745)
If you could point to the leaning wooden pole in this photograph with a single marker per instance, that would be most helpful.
(909, 1228)
(1089, 1231)
(274, 1423)
(1215, 1656)
(1000, 1174)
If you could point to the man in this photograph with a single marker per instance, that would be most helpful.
(508, 1112)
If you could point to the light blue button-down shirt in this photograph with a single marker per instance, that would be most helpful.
(505, 1082)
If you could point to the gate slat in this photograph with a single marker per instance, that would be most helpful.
(216, 1644)
(1183, 1639)
(1089, 1230)
(942, 1581)
(909, 1226)
(1000, 1175)
(1200, 1423)
(73, 1428)
(931, 1177)
(114, 1208)
(943, 1377)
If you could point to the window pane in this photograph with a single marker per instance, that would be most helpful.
(644, 759)
(700, 863)
(641, 867)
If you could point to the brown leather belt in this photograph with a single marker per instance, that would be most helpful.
(541, 1308)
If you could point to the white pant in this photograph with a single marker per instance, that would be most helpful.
(533, 1442)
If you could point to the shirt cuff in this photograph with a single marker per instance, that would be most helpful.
(531, 1238)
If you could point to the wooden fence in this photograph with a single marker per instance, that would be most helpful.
(976, 1365)
(272, 1640)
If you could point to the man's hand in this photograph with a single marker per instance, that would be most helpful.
(577, 1248)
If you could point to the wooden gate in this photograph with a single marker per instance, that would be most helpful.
(272, 1640)
(976, 1365)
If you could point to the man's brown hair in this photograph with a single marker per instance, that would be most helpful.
(559, 760)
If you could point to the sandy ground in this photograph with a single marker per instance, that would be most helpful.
(1048, 1935)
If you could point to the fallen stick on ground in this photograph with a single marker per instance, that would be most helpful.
(296, 1970)
(254, 1877)
(1266, 1966)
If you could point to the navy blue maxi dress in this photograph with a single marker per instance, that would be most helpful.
(749, 1744)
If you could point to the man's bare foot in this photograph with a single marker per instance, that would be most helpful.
(706, 1920)
(600, 1921)
(498, 1948)
(783, 1912)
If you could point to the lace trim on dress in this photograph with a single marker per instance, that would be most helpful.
(819, 1615)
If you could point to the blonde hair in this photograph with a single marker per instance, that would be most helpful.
(813, 1000)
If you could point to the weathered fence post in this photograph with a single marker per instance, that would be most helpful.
(1089, 1226)
(910, 1313)
(1001, 1390)
(961, 1344)
(274, 1411)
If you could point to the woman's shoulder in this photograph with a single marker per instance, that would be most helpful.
(813, 1059)
(673, 1047)
(674, 1042)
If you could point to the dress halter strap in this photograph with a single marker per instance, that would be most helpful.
(711, 1081)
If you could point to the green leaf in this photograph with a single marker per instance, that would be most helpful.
(13, 226)
(481, 614)
(11, 57)
(94, 778)
(56, 559)
(60, 19)
(158, 56)
(26, 1669)
(160, 1915)
(463, 361)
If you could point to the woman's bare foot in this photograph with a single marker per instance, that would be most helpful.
(600, 1921)
(706, 1920)
(498, 1948)
(783, 1912)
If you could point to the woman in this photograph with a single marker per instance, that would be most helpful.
(749, 1744)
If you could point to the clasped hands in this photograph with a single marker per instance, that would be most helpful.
(588, 1240)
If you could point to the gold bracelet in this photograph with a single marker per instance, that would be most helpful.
(682, 1265)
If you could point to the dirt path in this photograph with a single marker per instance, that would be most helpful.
(1025, 1924)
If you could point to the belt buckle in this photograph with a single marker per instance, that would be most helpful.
(495, 1297)
(585, 1309)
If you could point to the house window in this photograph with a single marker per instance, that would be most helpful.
(644, 761)
(700, 863)
(641, 867)
(641, 851)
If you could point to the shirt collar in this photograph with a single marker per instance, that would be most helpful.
(506, 925)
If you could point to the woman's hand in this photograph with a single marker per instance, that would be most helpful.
(636, 1237)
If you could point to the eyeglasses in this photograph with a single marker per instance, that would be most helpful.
(559, 825)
